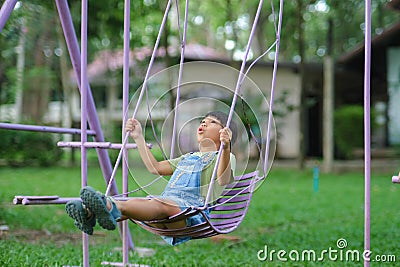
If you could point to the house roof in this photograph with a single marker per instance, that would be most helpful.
(107, 60)
(385, 38)
(394, 4)
(381, 39)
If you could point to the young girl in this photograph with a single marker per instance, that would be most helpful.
(187, 186)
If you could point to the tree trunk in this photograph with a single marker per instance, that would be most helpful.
(37, 88)
(20, 74)
(328, 104)
(302, 113)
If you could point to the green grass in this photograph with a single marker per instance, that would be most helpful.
(285, 214)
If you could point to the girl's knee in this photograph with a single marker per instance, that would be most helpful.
(165, 207)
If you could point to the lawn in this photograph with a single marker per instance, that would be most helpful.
(285, 215)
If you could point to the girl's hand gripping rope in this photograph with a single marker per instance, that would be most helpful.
(134, 128)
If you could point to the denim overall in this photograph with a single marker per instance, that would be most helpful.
(184, 188)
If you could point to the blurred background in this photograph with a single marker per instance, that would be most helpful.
(321, 63)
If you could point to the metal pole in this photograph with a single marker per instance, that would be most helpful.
(37, 128)
(93, 119)
(125, 96)
(5, 12)
(84, 93)
(103, 145)
(144, 87)
(367, 132)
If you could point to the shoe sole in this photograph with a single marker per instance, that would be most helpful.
(75, 212)
(94, 202)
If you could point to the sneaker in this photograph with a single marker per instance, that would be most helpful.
(97, 203)
(82, 220)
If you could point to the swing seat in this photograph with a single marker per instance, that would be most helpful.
(226, 214)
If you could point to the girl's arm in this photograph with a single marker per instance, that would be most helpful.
(152, 164)
(224, 172)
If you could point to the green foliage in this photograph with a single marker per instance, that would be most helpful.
(28, 148)
(349, 128)
(284, 214)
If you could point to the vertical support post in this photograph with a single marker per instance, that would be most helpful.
(84, 93)
(125, 95)
(93, 119)
(367, 132)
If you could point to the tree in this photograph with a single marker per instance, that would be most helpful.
(31, 24)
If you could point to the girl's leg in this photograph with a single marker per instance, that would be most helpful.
(107, 211)
(143, 209)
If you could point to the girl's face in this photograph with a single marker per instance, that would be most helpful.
(209, 130)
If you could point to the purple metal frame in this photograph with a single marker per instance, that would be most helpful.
(93, 120)
(89, 110)
(367, 132)
(48, 129)
(5, 11)
(46, 200)
(144, 88)
(103, 145)
(84, 96)
(125, 96)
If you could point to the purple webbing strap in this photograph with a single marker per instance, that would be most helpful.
(178, 90)
(256, 60)
(234, 99)
(144, 87)
(273, 83)
(153, 55)
(367, 131)
(178, 19)
(244, 76)
(5, 11)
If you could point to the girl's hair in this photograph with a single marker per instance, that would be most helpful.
(223, 118)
